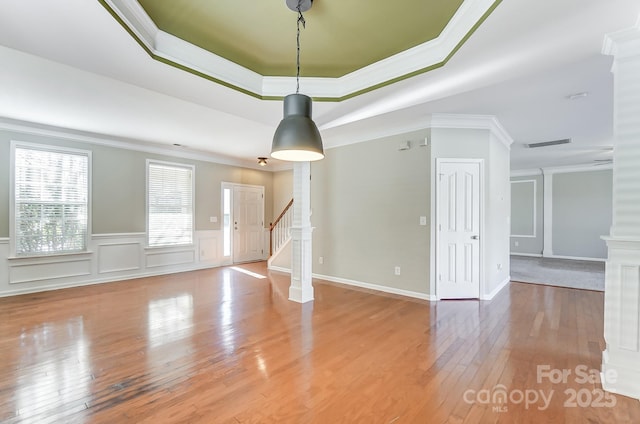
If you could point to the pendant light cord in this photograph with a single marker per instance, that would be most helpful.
(300, 20)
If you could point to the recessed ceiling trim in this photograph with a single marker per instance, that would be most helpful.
(177, 52)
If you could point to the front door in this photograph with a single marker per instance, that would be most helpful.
(458, 226)
(248, 223)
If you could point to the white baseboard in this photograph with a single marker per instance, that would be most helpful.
(279, 269)
(376, 287)
(577, 258)
(495, 291)
(354, 283)
(573, 258)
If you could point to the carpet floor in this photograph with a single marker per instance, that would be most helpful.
(587, 275)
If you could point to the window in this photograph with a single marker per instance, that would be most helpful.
(50, 199)
(169, 204)
(226, 222)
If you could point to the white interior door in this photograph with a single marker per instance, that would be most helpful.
(248, 223)
(458, 225)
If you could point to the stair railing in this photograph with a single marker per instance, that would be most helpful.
(279, 230)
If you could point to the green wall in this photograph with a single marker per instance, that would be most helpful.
(119, 185)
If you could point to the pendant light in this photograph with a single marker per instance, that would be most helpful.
(297, 137)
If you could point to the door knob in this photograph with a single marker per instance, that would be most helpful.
(474, 237)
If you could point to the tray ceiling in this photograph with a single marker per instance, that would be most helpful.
(348, 48)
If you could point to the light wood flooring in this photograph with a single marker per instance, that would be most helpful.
(223, 346)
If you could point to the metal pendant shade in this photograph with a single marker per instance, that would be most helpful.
(297, 137)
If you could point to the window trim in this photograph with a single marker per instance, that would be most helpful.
(193, 202)
(12, 199)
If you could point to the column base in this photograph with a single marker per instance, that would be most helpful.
(621, 358)
(619, 378)
(297, 294)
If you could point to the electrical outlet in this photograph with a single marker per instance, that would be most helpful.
(321, 260)
(423, 220)
(516, 243)
(213, 219)
(397, 270)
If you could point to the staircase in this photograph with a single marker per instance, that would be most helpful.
(279, 236)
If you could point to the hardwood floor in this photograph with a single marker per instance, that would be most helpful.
(223, 346)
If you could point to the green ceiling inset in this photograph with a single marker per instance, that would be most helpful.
(341, 35)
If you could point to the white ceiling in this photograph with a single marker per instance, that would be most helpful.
(68, 63)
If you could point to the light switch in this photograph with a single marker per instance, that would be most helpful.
(423, 220)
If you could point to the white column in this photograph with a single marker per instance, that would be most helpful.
(547, 213)
(301, 289)
(621, 359)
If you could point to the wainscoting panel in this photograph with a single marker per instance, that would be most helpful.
(111, 257)
(27, 270)
(117, 257)
(209, 247)
(630, 308)
(166, 259)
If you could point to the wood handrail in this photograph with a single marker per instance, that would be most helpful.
(273, 225)
(286, 208)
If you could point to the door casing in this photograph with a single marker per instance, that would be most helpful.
(435, 220)
(234, 187)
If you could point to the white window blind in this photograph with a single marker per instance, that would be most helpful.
(170, 204)
(51, 200)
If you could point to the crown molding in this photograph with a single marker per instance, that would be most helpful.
(476, 122)
(179, 53)
(624, 43)
(33, 128)
(526, 172)
(587, 167)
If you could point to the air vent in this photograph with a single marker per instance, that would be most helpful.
(548, 143)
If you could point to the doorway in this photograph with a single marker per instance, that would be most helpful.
(458, 236)
(243, 222)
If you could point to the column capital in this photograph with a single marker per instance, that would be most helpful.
(624, 43)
